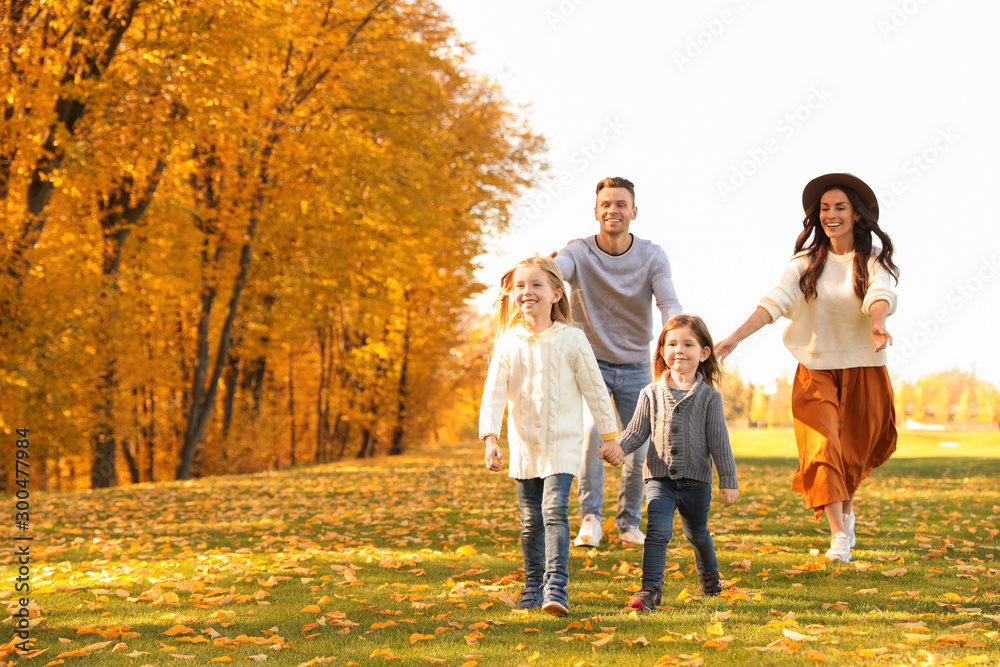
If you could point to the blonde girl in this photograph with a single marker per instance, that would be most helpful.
(541, 367)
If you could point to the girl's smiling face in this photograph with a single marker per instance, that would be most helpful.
(533, 292)
(682, 352)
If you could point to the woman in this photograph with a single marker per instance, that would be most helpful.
(837, 291)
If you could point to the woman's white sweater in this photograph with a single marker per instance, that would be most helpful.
(832, 330)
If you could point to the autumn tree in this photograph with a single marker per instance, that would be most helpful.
(273, 208)
(53, 60)
(737, 395)
(758, 407)
(779, 404)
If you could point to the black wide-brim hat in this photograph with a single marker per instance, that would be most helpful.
(816, 187)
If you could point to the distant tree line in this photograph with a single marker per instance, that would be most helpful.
(952, 398)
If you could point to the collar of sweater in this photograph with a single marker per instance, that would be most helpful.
(698, 382)
(522, 331)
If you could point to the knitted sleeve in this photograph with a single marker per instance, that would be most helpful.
(495, 391)
(718, 442)
(591, 383)
(783, 300)
(637, 431)
(879, 288)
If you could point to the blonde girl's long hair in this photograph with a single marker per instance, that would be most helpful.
(508, 314)
(710, 369)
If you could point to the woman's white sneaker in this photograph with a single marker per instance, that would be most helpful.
(840, 548)
(849, 528)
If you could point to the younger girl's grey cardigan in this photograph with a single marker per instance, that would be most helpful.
(685, 436)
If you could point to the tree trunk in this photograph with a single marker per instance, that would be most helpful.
(322, 400)
(102, 468)
(149, 434)
(396, 442)
(255, 374)
(196, 401)
(291, 405)
(203, 398)
(118, 216)
(367, 448)
(252, 383)
(101, 48)
(232, 377)
(130, 460)
(343, 427)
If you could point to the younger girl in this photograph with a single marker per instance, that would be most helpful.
(541, 366)
(681, 414)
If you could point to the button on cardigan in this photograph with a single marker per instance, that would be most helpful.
(541, 379)
(685, 435)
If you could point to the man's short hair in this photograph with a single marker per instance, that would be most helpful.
(617, 182)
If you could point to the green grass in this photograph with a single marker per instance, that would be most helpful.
(780, 443)
(237, 559)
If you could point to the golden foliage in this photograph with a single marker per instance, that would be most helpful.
(240, 236)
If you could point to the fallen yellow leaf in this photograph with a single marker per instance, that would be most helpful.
(719, 642)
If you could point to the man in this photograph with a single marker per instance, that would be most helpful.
(613, 278)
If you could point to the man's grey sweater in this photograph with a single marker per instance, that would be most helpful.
(611, 296)
(685, 436)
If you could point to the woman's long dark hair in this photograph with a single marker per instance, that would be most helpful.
(818, 248)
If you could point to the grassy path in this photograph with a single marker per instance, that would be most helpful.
(413, 560)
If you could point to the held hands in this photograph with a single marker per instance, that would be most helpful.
(494, 456)
(880, 337)
(729, 496)
(611, 452)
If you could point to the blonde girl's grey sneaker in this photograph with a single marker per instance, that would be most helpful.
(840, 548)
(849, 522)
(633, 536)
(531, 595)
(556, 599)
(590, 532)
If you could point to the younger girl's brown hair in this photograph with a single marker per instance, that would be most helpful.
(710, 369)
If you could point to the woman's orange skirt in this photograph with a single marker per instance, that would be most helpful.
(845, 427)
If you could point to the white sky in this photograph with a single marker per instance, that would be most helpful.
(762, 96)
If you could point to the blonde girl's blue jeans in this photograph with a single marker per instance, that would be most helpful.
(544, 506)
